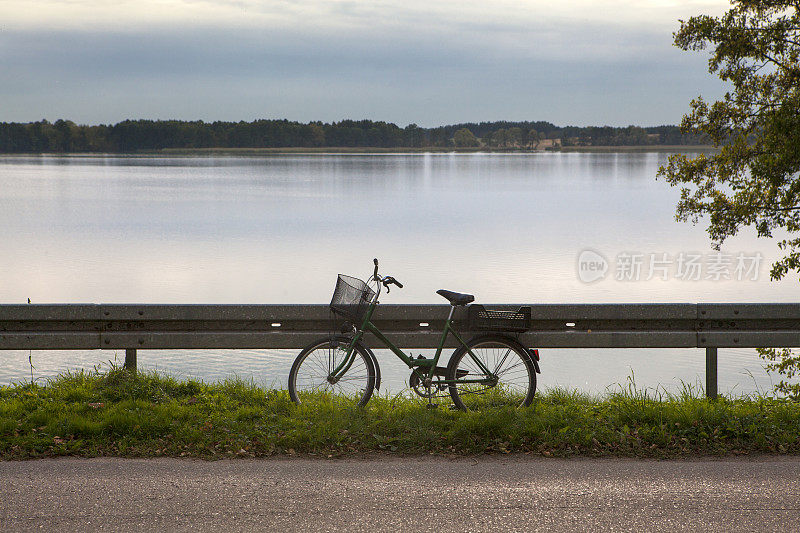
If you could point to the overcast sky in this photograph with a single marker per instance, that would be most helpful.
(428, 62)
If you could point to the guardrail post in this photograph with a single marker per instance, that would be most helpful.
(130, 360)
(711, 373)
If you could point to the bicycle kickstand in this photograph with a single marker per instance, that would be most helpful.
(431, 405)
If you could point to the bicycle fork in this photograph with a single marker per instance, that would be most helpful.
(341, 369)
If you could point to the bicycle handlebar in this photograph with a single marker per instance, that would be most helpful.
(390, 279)
(387, 280)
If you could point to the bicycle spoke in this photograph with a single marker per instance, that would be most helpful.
(503, 360)
(312, 371)
(511, 374)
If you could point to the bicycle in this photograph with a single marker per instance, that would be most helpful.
(490, 369)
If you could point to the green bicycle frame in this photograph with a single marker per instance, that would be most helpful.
(367, 325)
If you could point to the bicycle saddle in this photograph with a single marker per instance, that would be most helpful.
(456, 298)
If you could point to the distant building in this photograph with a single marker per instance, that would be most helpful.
(544, 144)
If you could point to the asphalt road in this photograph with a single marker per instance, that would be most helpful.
(512, 493)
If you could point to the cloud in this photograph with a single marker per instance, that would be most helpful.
(411, 15)
(418, 62)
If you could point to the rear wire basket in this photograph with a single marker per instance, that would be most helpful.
(351, 298)
(488, 319)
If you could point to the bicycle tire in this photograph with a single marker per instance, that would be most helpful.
(503, 356)
(311, 367)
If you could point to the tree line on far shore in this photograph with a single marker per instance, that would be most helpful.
(145, 135)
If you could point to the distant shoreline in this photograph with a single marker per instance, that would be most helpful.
(651, 148)
(422, 150)
(368, 150)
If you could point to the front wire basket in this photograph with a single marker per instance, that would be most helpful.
(492, 320)
(351, 298)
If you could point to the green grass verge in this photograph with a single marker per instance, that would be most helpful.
(117, 413)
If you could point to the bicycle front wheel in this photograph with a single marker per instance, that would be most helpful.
(311, 373)
(511, 380)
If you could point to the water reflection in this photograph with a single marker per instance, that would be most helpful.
(277, 229)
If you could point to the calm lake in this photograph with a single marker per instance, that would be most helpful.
(506, 227)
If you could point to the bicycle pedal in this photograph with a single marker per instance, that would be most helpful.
(432, 405)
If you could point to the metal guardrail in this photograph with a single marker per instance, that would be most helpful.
(152, 326)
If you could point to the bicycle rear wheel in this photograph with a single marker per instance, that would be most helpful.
(514, 382)
(310, 376)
